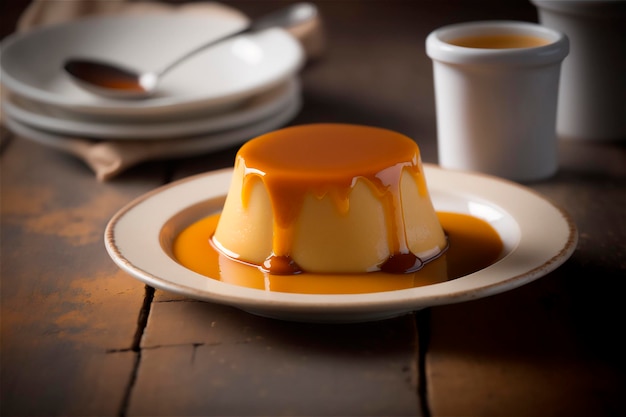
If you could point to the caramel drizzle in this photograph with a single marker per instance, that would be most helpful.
(402, 260)
(287, 198)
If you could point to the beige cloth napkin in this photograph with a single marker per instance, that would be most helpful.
(109, 158)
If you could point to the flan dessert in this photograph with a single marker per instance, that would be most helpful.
(329, 198)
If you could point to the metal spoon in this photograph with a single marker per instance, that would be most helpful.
(111, 80)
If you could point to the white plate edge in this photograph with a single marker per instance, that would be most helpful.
(402, 300)
(156, 130)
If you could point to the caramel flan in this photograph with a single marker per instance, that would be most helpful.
(330, 198)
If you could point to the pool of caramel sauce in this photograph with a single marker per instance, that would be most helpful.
(473, 245)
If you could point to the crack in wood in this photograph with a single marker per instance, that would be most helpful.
(174, 345)
(122, 350)
(6, 137)
(193, 353)
(142, 322)
(186, 300)
(422, 321)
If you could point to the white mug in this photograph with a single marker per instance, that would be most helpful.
(592, 98)
(496, 89)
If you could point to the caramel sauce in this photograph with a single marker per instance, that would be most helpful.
(104, 75)
(473, 245)
(326, 160)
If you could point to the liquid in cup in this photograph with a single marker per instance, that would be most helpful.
(496, 89)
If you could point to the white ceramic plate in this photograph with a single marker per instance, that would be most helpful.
(537, 236)
(112, 157)
(60, 121)
(216, 78)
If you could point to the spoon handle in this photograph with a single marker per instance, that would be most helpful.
(285, 18)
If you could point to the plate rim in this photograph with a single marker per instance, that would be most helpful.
(272, 101)
(341, 307)
(172, 148)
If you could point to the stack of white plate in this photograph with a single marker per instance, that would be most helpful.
(222, 96)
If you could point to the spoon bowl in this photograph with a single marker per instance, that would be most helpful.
(111, 80)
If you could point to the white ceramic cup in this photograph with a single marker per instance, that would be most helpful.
(592, 98)
(496, 107)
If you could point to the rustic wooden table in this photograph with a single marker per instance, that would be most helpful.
(81, 337)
